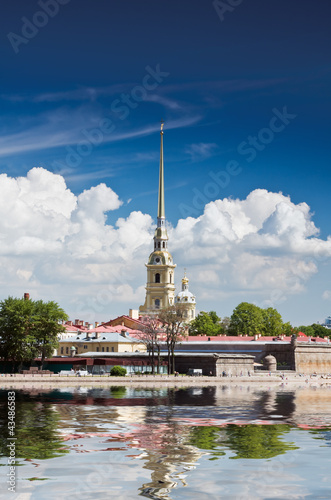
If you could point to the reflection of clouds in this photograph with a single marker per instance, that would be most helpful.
(247, 480)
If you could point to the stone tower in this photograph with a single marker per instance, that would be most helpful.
(160, 287)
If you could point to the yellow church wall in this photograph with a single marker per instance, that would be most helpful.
(97, 346)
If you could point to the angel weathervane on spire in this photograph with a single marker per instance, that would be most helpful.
(162, 123)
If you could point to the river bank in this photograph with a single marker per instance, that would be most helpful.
(273, 379)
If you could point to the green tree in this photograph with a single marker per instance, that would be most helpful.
(307, 330)
(314, 330)
(206, 324)
(29, 329)
(118, 371)
(247, 319)
(17, 342)
(287, 329)
(273, 322)
(48, 318)
(320, 331)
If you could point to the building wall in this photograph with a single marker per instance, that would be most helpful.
(235, 366)
(215, 365)
(313, 358)
(99, 346)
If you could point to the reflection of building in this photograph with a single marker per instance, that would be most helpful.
(160, 287)
(187, 299)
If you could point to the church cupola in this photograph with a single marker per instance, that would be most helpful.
(187, 299)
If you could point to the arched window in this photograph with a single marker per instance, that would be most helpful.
(163, 244)
(157, 303)
(157, 278)
(170, 278)
(159, 244)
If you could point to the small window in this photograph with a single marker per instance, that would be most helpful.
(103, 349)
(85, 346)
(163, 244)
(170, 278)
(62, 350)
(157, 303)
(112, 349)
(97, 349)
(107, 349)
(159, 245)
(157, 278)
(67, 350)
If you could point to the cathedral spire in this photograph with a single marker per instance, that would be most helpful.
(160, 286)
(160, 208)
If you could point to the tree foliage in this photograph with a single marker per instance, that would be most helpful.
(273, 322)
(29, 329)
(247, 319)
(118, 371)
(206, 324)
(314, 330)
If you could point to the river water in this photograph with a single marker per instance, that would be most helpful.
(214, 442)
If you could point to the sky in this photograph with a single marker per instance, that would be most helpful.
(244, 90)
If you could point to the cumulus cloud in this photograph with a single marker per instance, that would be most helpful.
(263, 243)
(78, 251)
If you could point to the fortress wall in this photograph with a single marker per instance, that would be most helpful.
(284, 353)
(313, 358)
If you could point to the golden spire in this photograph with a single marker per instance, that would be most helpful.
(160, 209)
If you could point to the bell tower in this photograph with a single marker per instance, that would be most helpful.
(160, 287)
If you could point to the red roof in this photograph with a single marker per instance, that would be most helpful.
(246, 338)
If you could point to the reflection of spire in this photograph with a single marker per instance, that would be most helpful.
(160, 208)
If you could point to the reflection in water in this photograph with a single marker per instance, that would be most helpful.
(168, 432)
(36, 426)
(258, 441)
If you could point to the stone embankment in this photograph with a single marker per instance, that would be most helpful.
(288, 379)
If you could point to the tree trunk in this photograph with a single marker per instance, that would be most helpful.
(153, 366)
(158, 360)
(172, 360)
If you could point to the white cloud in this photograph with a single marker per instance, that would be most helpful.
(63, 247)
(326, 295)
(263, 243)
(201, 150)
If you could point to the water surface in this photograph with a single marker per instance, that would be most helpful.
(210, 442)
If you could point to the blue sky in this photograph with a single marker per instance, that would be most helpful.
(245, 95)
